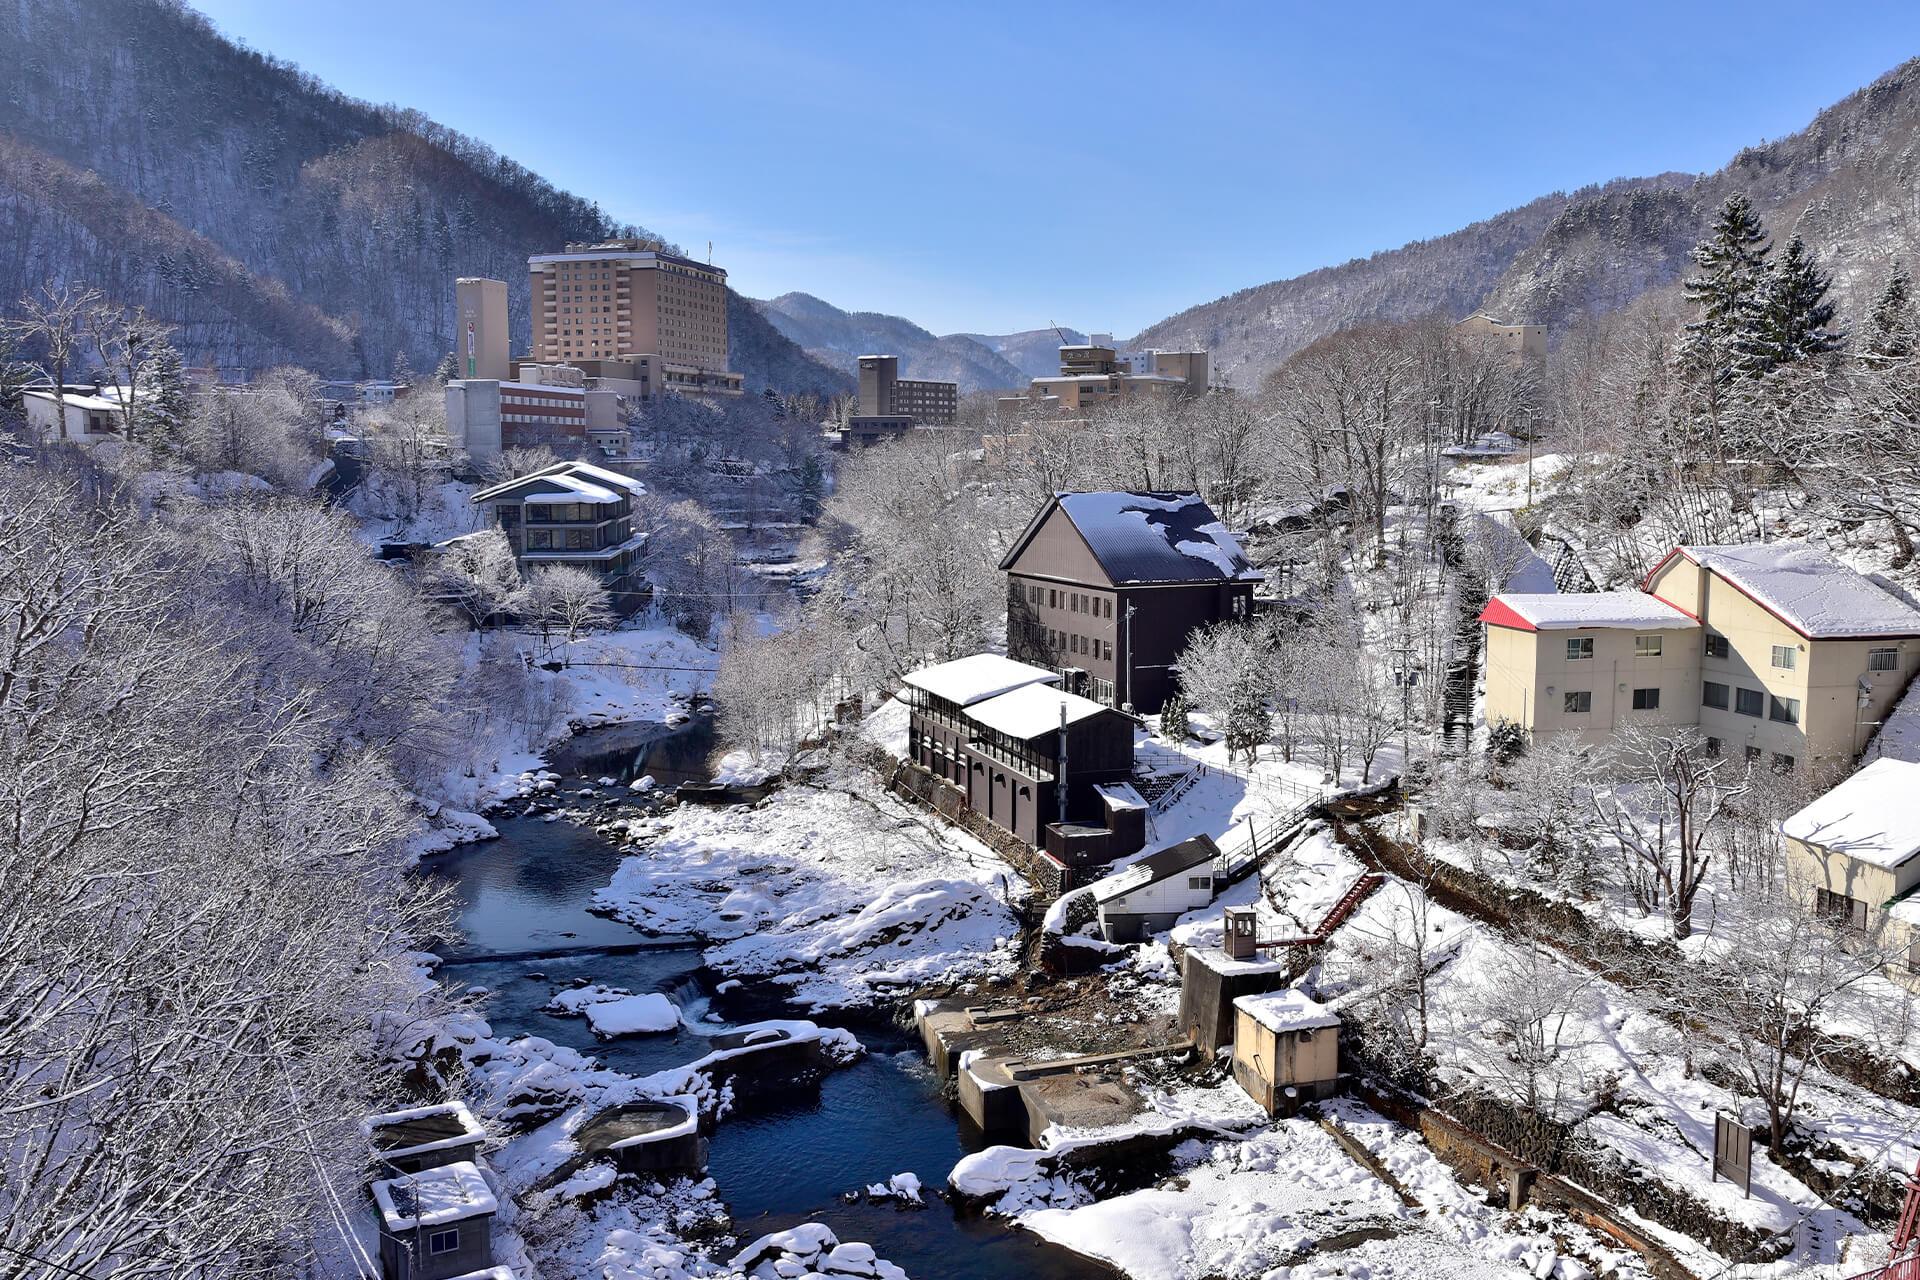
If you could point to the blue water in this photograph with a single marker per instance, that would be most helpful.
(781, 1157)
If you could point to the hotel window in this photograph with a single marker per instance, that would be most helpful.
(1716, 645)
(1713, 748)
(1646, 646)
(1883, 659)
(1784, 657)
(1577, 703)
(1785, 710)
(1749, 702)
(1782, 762)
(1579, 649)
(1753, 755)
(1713, 694)
(1646, 699)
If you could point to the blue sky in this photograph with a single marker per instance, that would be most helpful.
(999, 167)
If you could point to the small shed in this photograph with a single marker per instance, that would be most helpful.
(425, 1137)
(435, 1224)
(1286, 1049)
(1156, 891)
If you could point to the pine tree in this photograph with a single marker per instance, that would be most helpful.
(1732, 262)
(402, 372)
(1174, 725)
(164, 411)
(1790, 317)
(1890, 328)
(447, 370)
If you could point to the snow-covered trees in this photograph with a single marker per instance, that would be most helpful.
(201, 900)
(477, 577)
(568, 600)
(1227, 670)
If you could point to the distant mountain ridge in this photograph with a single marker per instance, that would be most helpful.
(273, 219)
(977, 362)
(1845, 182)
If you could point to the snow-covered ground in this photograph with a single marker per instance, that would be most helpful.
(832, 894)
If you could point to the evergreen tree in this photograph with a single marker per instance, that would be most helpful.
(163, 414)
(447, 370)
(1890, 328)
(1174, 726)
(1790, 317)
(402, 372)
(1732, 263)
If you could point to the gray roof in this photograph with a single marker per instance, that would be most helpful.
(1154, 537)
(1174, 860)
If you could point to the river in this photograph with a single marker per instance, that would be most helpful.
(777, 1159)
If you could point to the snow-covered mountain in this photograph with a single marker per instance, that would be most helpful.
(270, 217)
(838, 338)
(1845, 182)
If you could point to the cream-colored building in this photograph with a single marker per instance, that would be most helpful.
(621, 298)
(1590, 664)
(1092, 376)
(1520, 341)
(1853, 856)
(1778, 652)
(480, 328)
(1286, 1049)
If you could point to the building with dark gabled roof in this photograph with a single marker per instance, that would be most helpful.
(1107, 588)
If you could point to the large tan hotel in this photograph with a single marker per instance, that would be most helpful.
(619, 298)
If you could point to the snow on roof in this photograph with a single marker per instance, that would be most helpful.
(578, 482)
(1120, 795)
(1032, 710)
(1874, 816)
(418, 1130)
(1583, 611)
(1288, 1010)
(1157, 537)
(450, 1193)
(489, 1273)
(1809, 589)
(1174, 860)
(976, 678)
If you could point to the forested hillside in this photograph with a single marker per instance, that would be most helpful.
(271, 217)
(1846, 181)
(839, 338)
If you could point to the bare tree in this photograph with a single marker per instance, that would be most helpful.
(1666, 796)
(53, 324)
(570, 600)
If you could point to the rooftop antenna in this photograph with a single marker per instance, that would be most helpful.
(709, 253)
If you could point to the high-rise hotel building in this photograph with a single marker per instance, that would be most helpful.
(621, 298)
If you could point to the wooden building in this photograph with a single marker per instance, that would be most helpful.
(1002, 734)
(435, 1224)
(1107, 588)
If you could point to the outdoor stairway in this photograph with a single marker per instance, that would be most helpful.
(1357, 892)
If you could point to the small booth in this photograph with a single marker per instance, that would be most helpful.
(1286, 1049)
(435, 1224)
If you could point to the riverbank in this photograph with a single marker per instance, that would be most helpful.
(782, 1157)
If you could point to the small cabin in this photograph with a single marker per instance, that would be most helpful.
(1156, 891)
(436, 1224)
(1853, 859)
(425, 1137)
(1286, 1050)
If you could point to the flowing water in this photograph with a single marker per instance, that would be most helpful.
(779, 1158)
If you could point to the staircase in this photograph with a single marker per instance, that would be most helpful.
(1357, 892)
